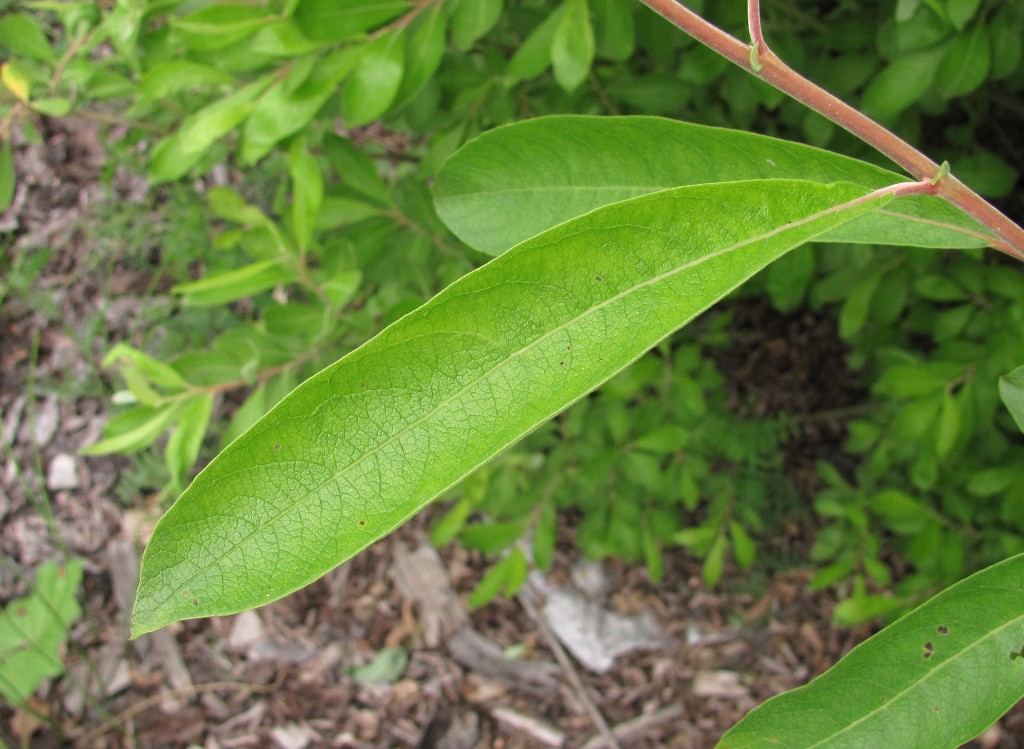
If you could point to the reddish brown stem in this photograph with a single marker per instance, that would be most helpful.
(754, 24)
(760, 61)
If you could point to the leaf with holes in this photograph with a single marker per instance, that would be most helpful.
(936, 678)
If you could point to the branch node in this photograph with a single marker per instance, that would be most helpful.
(755, 57)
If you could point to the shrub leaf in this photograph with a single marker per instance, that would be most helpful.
(936, 678)
(360, 447)
(516, 181)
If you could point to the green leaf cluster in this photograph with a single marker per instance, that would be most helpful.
(938, 479)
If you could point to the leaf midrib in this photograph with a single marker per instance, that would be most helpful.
(652, 189)
(559, 188)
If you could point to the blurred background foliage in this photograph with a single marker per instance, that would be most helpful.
(290, 144)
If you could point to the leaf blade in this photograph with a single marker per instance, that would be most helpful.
(586, 162)
(572, 48)
(449, 386)
(375, 80)
(474, 18)
(881, 693)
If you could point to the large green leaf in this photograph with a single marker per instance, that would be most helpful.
(933, 680)
(516, 181)
(361, 446)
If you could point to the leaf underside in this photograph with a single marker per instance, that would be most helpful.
(935, 679)
(363, 445)
(518, 180)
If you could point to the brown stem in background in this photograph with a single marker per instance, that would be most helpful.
(760, 61)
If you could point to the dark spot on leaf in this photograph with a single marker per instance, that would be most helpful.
(195, 601)
(929, 648)
(885, 699)
(277, 446)
(561, 363)
(598, 278)
(1015, 654)
(362, 522)
(22, 611)
(935, 709)
(362, 385)
(943, 630)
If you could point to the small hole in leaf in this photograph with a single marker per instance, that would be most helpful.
(277, 446)
(362, 522)
(928, 649)
(943, 630)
